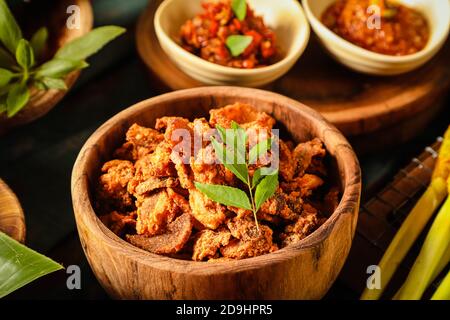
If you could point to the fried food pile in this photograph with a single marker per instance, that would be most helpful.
(147, 196)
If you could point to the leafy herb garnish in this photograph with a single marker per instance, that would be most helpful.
(20, 265)
(239, 8)
(232, 154)
(21, 65)
(388, 8)
(238, 43)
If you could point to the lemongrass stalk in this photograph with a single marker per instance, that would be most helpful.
(443, 263)
(407, 235)
(443, 291)
(430, 256)
(415, 222)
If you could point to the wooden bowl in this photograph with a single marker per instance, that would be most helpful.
(302, 271)
(41, 102)
(12, 221)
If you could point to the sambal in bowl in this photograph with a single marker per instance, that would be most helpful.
(248, 43)
(380, 37)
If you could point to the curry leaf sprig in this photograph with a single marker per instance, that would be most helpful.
(21, 65)
(231, 152)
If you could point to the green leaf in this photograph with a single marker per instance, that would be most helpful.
(18, 98)
(389, 13)
(240, 142)
(238, 43)
(20, 265)
(2, 104)
(225, 195)
(227, 159)
(234, 138)
(257, 151)
(38, 42)
(25, 54)
(257, 176)
(265, 189)
(10, 33)
(39, 85)
(53, 83)
(239, 8)
(85, 46)
(5, 77)
(222, 133)
(58, 68)
(5, 89)
(6, 60)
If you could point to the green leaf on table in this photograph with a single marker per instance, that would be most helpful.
(54, 83)
(239, 8)
(18, 97)
(258, 150)
(227, 158)
(58, 68)
(20, 265)
(83, 47)
(266, 189)
(238, 43)
(25, 54)
(225, 195)
(39, 41)
(10, 33)
(5, 77)
(6, 60)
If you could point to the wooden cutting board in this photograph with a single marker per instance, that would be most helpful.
(373, 112)
(12, 221)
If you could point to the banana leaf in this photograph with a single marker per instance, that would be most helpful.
(20, 265)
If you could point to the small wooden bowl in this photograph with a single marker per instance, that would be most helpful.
(302, 271)
(12, 221)
(41, 102)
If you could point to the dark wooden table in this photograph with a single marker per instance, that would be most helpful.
(36, 160)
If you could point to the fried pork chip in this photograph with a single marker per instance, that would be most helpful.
(171, 241)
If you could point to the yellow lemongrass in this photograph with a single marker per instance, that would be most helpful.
(430, 257)
(415, 222)
(443, 292)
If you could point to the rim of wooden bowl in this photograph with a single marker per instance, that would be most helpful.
(12, 219)
(41, 102)
(346, 160)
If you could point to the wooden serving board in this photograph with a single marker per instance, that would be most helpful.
(381, 217)
(373, 112)
(12, 221)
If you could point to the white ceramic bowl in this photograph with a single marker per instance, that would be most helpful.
(285, 17)
(437, 12)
